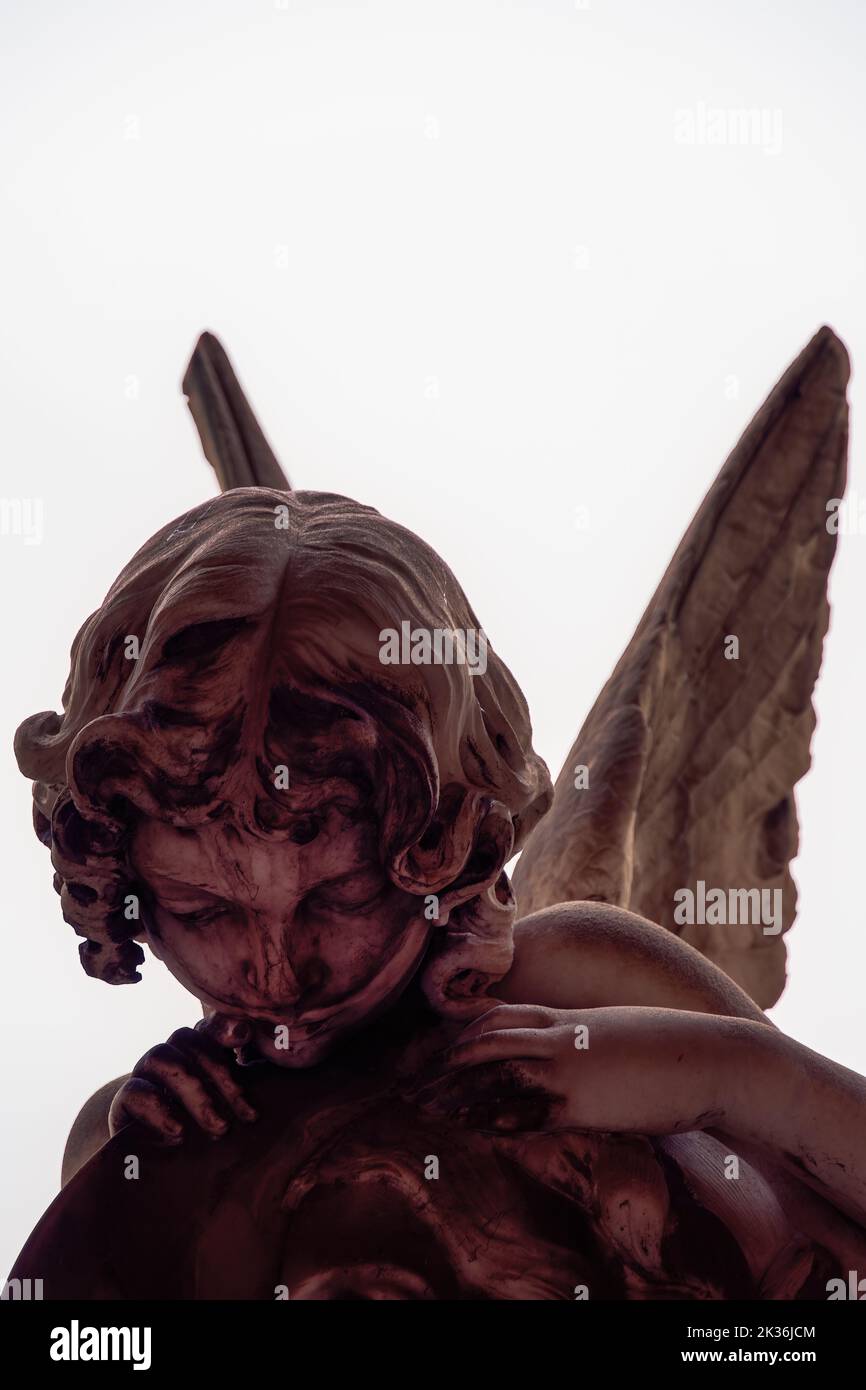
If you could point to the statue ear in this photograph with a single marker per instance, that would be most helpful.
(463, 849)
(475, 943)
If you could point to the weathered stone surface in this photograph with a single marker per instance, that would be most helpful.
(314, 840)
(328, 1197)
(693, 758)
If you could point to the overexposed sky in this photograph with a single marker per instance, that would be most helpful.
(479, 265)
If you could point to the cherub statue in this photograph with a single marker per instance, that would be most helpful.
(314, 839)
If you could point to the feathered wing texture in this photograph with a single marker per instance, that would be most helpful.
(231, 437)
(692, 758)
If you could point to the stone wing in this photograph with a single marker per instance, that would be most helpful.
(691, 756)
(231, 437)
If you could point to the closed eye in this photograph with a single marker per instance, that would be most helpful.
(200, 915)
(353, 896)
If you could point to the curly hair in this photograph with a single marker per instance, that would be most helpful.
(169, 706)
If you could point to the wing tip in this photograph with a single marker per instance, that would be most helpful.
(825, 349)
(209, 349)
(232, 439)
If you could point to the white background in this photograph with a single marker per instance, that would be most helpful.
(468, 275)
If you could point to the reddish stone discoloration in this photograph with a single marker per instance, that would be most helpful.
(306, 907)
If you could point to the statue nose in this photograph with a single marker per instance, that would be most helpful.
(312, 975)
(274, 978)
(268, 969)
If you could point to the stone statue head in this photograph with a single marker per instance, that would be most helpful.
(295, 825)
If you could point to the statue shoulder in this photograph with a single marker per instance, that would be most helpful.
(89, 1129)
(594, 954)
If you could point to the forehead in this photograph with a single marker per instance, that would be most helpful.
(198, 857)
(231, 862)
(312, 766)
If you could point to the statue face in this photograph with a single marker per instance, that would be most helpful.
(302, 929)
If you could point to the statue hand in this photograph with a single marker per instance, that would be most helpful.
(627, 1070)
(190, 1077)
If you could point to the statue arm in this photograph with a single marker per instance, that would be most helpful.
(655, 1071)
(89, 1129)
(809, 1113)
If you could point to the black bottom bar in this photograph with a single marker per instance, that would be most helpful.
(253, 1339)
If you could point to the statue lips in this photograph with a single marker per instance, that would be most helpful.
(312, 1034)
(301, 1048)
(254, 1034)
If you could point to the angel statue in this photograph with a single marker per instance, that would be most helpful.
(291, 764)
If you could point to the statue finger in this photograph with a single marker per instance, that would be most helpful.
(138, 1101)
(509, 1016)
(498, 1044)
(218, 1064)
(168, 1067)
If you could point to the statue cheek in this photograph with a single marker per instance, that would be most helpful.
(153, 936)
(313, 975)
